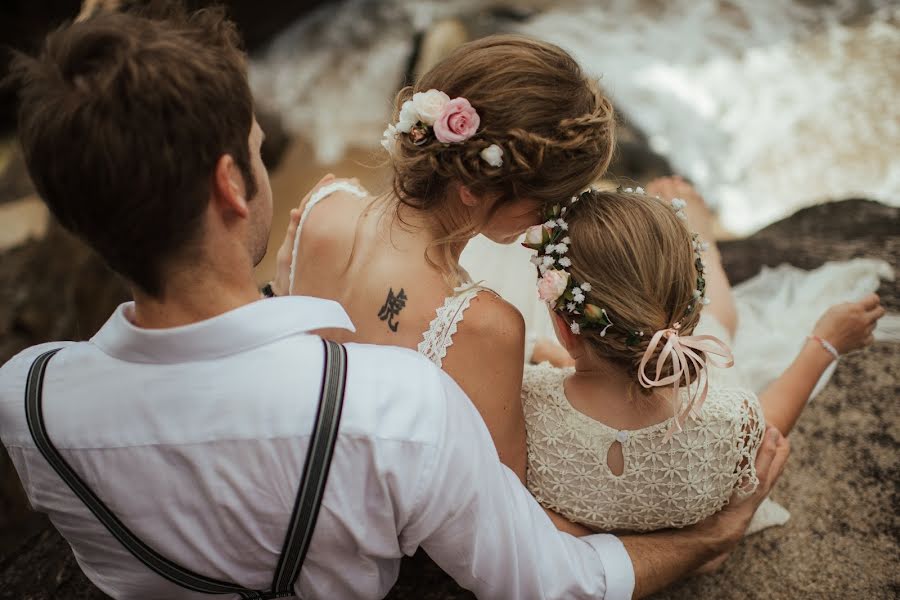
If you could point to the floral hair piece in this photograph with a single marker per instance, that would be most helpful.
(433, 115)
(564, 294)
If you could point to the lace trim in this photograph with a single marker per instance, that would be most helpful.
(319, 195)
(439, 336)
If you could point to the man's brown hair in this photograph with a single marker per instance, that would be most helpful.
(122, 119)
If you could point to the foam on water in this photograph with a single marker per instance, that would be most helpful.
(767, 106)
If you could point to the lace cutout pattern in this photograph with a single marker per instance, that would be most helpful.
(664, 484)
(439, 336)
(319, 195)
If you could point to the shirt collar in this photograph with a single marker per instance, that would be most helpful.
(246, 327)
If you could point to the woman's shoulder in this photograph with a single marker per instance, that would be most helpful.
(333, 220)
(491, 319)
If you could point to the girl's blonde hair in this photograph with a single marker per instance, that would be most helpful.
(639, 260)
(555, 127)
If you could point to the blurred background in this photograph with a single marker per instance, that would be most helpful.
(768, 106)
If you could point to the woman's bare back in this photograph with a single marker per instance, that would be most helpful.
(354, 251)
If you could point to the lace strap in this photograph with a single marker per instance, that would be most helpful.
(439, 336)
(319, 195)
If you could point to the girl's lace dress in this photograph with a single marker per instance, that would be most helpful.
(664, 483)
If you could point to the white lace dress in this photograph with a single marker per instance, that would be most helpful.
(664, 483)
(438, 338)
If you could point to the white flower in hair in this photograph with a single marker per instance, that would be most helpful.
(409, 116)
(429, 105)
(561, 248)
(551, 224)
(537, 260)
(678, 203)
(681, 215)
(548, 261)
(389, 139)
(697, 293)
(578, 297)
(564, 261)
(639, 190)
(567, 240)
(705, 301)
(575, 328)
(563, 225)
(571, 307)
(586, 287)
(549, 248)
(492, 155)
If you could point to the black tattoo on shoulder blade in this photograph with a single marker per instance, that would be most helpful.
(392, 307)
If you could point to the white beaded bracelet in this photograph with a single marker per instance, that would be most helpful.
(827, 345)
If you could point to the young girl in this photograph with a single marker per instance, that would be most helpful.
(479, 145)
(645, 432)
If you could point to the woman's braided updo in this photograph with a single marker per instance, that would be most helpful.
(553, 123)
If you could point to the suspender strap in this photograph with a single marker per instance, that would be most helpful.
(303, 517)
(315, 471)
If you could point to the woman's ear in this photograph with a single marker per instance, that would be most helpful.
(467, 197)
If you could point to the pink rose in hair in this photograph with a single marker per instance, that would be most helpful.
(552, 285)
(457, 123)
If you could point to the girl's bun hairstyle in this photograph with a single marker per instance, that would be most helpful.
(638, 258)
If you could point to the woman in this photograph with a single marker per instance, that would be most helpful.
(479, 145)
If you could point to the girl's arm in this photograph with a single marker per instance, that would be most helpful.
(847, 327)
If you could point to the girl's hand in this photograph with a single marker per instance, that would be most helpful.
(283, 259)
(850, 326)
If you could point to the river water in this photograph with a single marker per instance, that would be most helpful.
(767, 105)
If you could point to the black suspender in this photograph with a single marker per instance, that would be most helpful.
(306, 505)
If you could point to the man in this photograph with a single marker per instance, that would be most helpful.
(189, 413)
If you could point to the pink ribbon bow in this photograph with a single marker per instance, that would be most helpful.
(682, 352)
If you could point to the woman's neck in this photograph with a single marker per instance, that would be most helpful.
(419, 229)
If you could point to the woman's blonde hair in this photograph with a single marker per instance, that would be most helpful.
(555, 127)
(639, 260)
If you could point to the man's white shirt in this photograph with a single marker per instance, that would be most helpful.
(196, 436)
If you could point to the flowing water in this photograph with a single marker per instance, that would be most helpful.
(767, 105)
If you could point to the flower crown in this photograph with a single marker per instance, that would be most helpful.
(433, 115)
(565, 295)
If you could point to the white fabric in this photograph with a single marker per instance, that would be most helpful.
(319, 195)
(195, 437)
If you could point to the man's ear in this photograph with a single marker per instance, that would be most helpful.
(467, 197)
(228, 190)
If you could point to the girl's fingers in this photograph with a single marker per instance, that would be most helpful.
(875, 314)
(870, 302)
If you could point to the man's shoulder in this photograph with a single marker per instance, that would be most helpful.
(395, 370)
(401, 391)
(16, 368)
